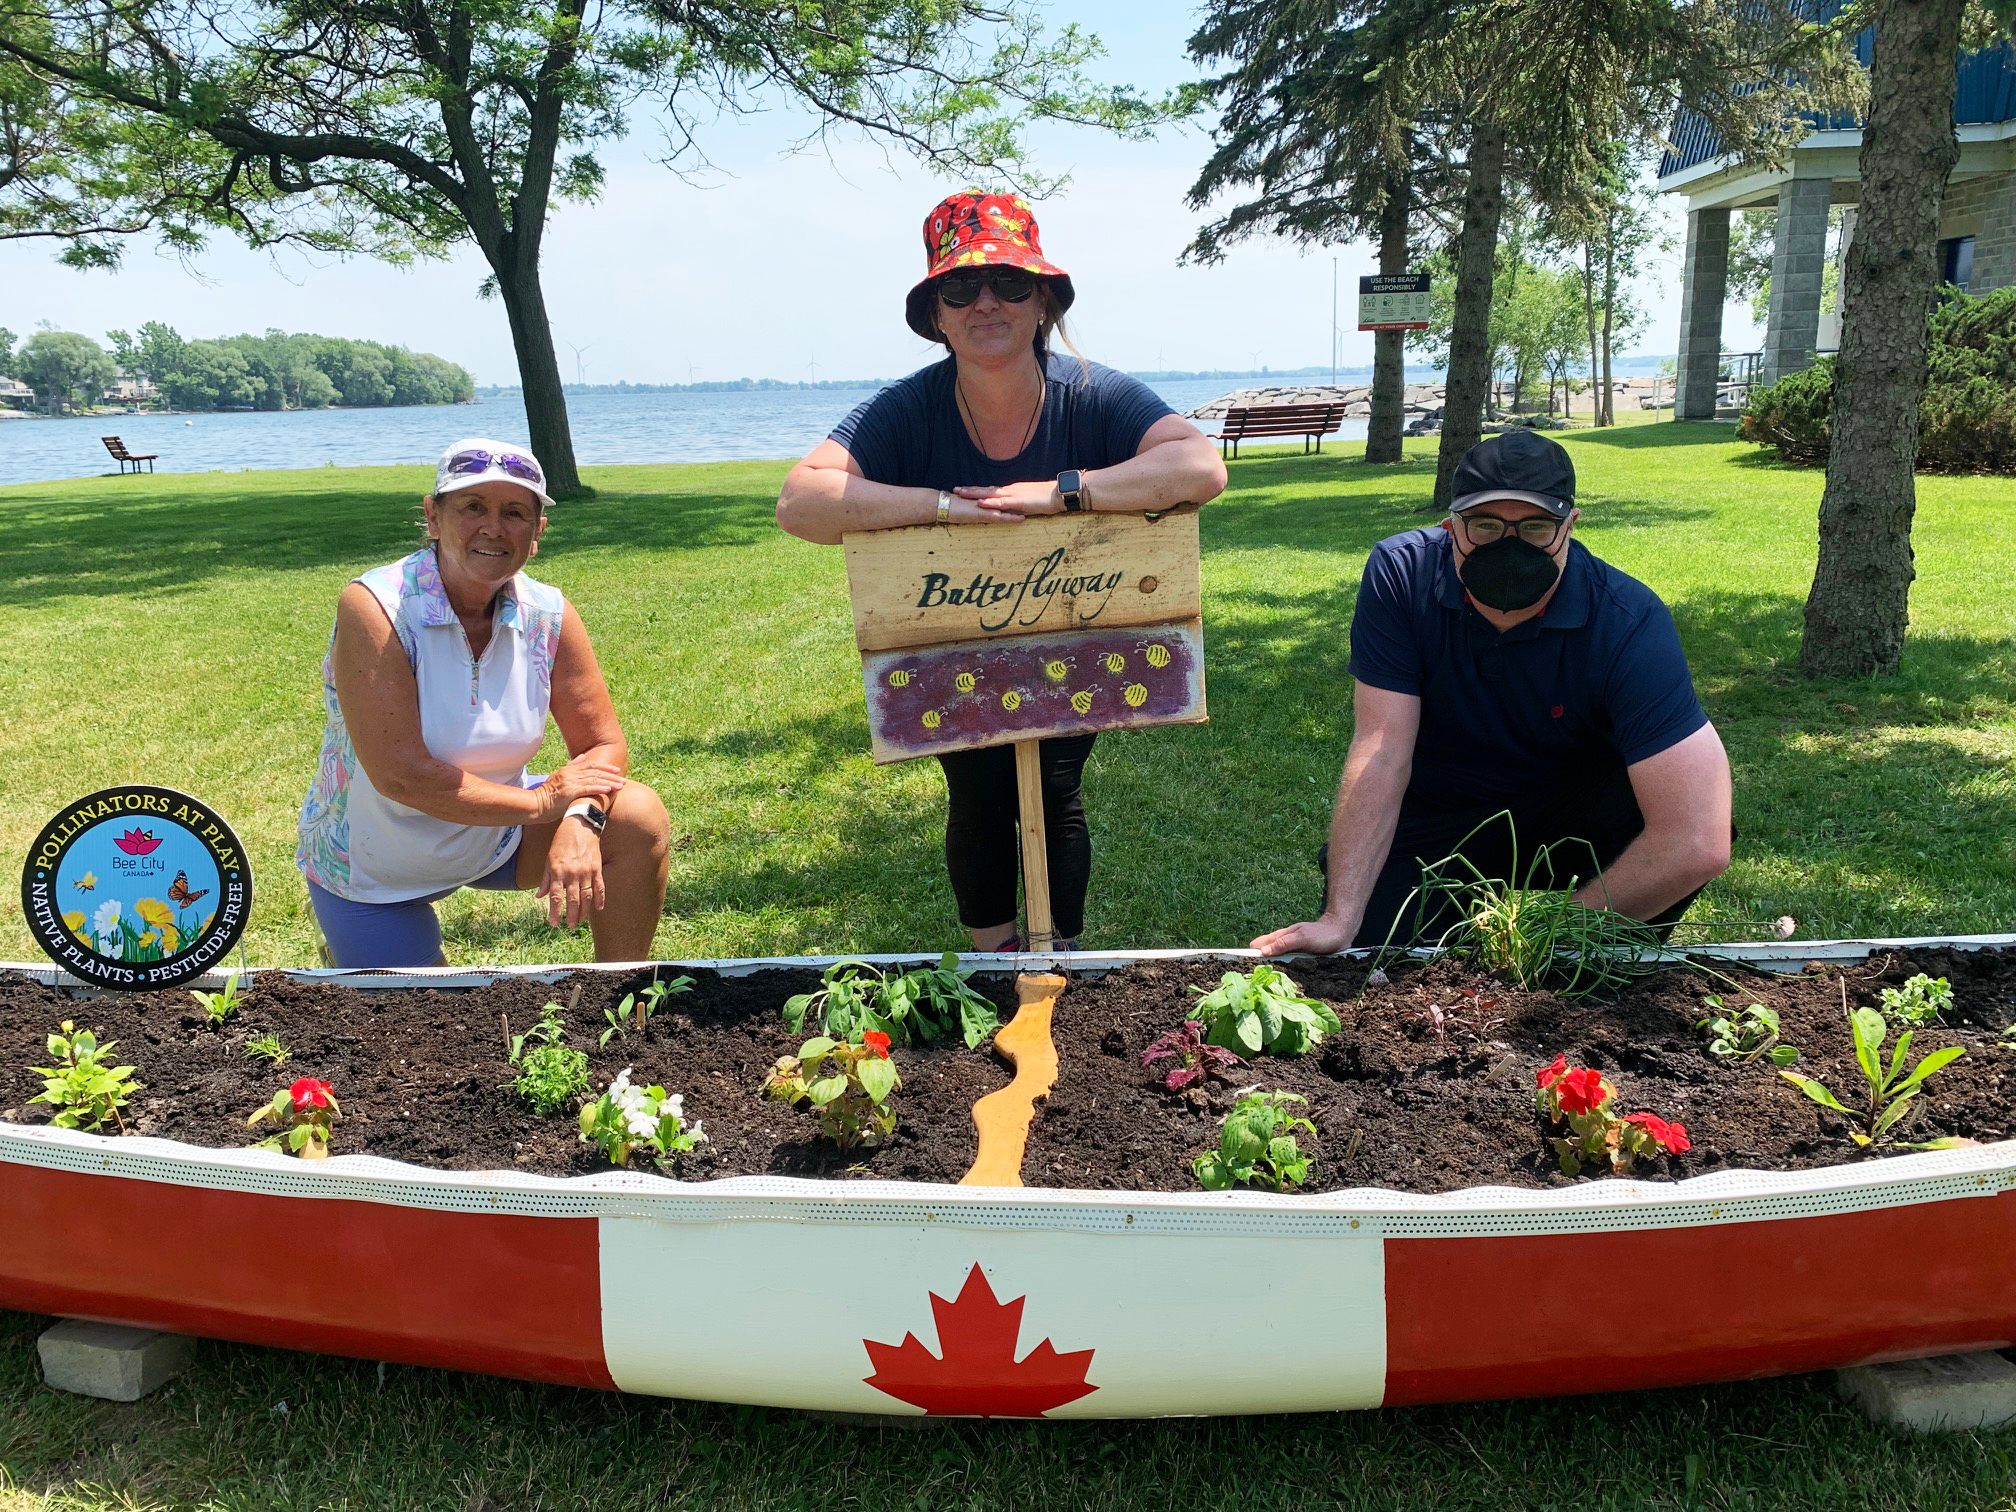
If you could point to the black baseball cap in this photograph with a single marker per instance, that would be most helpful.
(1520, 464)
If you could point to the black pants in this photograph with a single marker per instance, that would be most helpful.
(981, 848)
(1587, 820)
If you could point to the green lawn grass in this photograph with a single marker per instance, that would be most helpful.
(169, 629)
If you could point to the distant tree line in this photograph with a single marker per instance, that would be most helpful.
(276, 371)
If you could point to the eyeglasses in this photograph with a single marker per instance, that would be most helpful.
(1482, 530)
(479, 461)
(961, 287)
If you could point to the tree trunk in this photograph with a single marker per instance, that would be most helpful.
(539, 378)
(1389, 356)
(1589, 315)
(1470, 327)
(1860, 601)
(1609, 400)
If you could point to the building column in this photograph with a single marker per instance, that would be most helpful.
(1798, 258)
(1704, 286)
(1995, 245)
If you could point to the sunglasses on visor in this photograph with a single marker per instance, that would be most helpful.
(962, 286)
(477, 461)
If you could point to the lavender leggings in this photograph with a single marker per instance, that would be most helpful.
(394, 934)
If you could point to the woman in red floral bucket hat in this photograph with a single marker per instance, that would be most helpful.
(1000, 430)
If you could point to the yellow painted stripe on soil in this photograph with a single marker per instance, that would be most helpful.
(1003, 1117)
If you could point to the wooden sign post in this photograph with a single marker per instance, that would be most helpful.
(984, 635)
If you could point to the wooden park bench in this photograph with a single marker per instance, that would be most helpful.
(1312, 422)
(122, 456)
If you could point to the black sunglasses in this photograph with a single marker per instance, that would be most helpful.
(962, 286)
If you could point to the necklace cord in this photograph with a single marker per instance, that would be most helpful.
(1042, 392)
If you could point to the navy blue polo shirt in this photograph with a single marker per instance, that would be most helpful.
(1597, 679)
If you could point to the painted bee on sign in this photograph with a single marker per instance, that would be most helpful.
(1082, 701)
(932, 719)
(1157, 655)
(1011, 700)
(1135, 695)
(899, 678)
(1115, 661)
(964, 682)
(1056, 671)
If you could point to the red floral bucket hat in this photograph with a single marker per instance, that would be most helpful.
(980, 230)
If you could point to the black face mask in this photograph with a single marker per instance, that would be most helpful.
(1508, 574)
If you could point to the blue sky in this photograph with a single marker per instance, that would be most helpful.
(791, 266)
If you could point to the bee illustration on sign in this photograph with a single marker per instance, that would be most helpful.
(86, 883)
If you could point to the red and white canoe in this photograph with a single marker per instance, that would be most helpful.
(1020, 1302)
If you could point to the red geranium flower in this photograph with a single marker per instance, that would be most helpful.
(877, 1041)
(1582, 1090)
(310, 1093)
(1671, 1137)
(1548, 1075)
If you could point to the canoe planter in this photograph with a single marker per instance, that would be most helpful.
(1008, 1301)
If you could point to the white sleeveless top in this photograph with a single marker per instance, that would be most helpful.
(486, 715)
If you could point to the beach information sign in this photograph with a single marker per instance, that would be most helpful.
(982, 635)
(1393, 302)
(136, 888)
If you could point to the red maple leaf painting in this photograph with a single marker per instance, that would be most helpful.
(978, 1375)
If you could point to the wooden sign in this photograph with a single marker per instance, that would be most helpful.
(932, 584)
(980, 635)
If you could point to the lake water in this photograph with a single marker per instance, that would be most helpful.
(608, 429)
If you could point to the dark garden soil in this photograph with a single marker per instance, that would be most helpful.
(422, 1076)
(1395, 1108)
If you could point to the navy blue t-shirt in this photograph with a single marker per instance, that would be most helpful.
(1598, 678)
(910, 434)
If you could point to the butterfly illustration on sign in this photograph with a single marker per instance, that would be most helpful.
(178, 890)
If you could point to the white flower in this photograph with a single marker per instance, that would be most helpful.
(106, 921)
(621, 1085)
(699, 1134)
(641, 1126)
(674, 1106)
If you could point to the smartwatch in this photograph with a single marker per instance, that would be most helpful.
(589, 814)
(1071, 486)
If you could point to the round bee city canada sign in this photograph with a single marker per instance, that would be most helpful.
(136, 888)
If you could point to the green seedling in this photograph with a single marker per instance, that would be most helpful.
(550, 1075)
(1745, 1034)
(267, 1047)
(1891, 1088)
(1529, 934)
(1256, 1145)
(1262, 1012)
(917, 1006)
(847, 1086)
(1918, 1002)
(640, 1007)
(83, 1089)
(219, 1005)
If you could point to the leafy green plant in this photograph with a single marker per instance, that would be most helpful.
(550, 1075)
(1262, 1012)
(1919, 1002)
(1196, 1062)
(83, 1089)
(219, 1005)
(629, 1118)
(267, 1047)
(1889, 1088)
(640, 1007)
(1744, 1034)
(1530, 934)
(847, 1086)
(305, 1112)
(1256, 1145)
(911, 1007)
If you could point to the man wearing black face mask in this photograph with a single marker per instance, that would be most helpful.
(1499, 666)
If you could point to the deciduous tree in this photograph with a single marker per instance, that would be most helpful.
(65, 369)
(402, 128)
